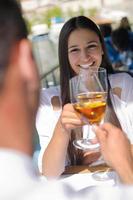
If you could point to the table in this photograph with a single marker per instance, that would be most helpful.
(85, 169)
(81, 177)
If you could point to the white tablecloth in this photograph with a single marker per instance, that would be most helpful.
(82, 181)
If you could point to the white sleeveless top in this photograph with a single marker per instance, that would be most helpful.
(47, 118)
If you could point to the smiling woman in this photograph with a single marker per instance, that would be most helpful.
(84, 49)
(81, 45)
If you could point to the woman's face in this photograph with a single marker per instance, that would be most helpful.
(84, 49)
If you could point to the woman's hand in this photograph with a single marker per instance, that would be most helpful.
(70, 119)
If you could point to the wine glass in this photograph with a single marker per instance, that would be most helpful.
(88, 94)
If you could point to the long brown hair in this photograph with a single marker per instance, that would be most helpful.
(66, 72)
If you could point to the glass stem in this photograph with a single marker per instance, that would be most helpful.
(90, 134)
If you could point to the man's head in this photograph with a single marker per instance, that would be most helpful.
(19, 80)
(12, 30)
(15, 49)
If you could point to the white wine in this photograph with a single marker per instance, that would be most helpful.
(92, 106)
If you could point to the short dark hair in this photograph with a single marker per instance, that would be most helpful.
(106, 29)
(120, 38)
(12, 29)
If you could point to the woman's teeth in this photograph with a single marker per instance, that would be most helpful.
(87, 66)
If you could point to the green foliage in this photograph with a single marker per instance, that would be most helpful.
(92, 12)
(33, 21)
(45, 17)
(70, 13)
(53, 12)
(81, 11)
(56, 11)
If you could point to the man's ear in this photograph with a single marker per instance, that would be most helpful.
(27, 65)
(26, 62)
(29, 73)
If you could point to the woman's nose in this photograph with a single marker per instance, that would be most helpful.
(85, 56)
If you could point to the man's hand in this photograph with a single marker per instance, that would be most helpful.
(116, 150)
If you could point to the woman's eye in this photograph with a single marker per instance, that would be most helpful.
(92, 46)
(73, 50)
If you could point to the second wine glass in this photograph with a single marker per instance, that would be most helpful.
(88, 93)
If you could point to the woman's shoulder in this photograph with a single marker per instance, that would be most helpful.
(122, 81)
(120, 76)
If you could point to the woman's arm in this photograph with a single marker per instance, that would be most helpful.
(47, 117)
(54, 157)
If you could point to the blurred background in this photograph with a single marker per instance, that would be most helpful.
(46, 17)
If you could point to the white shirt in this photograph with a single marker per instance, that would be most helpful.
(123, 107)
(16, 174)
(19, 181)
(47, 118)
